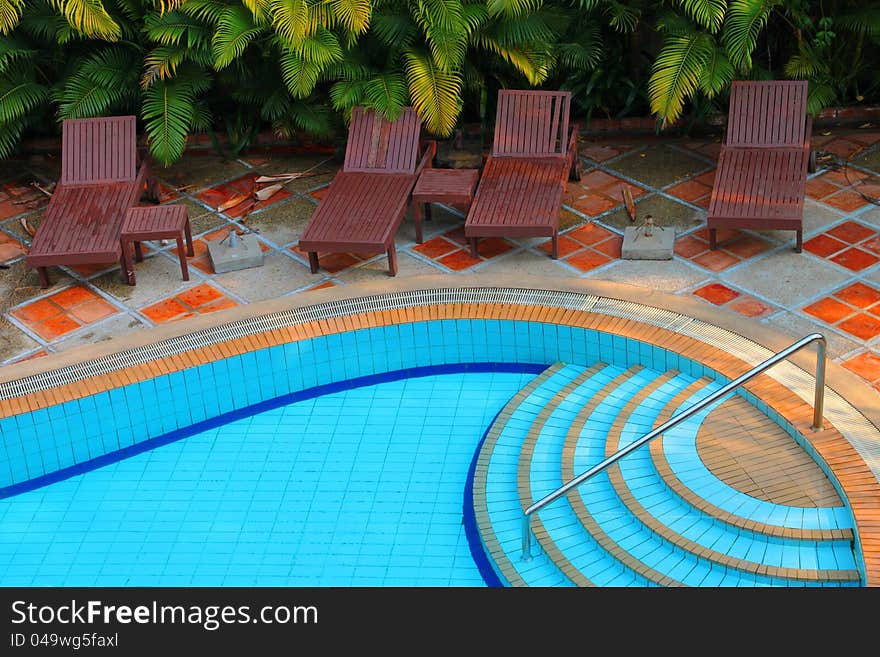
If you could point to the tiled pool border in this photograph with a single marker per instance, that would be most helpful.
(849, 446)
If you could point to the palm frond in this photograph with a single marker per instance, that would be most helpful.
(435, 93)
(445, 31)
(805, 65)
(706, 13)
(161, 63)
(820, 96)
(13, 49)
(291, 21)
(235, 30)
(10, 14)
(260, 10)
(19, 93)
(677, 72)
(174, 27)
(100, 82)
(744, 22)
(310, 117)
(170, 109)
(345, 94)
(865, 20)
(534, 66)
(89, 18)
(210, 11)
(387, 93)
(395, 30)
(511, 8)
(622, 17)
(585, 53)
(353, 14)
(43, 22)
(717, 73)
(10, 135)
(321, 48)
(299, 74)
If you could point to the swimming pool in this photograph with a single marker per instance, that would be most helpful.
(334, 443)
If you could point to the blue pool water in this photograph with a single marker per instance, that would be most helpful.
(362, 487)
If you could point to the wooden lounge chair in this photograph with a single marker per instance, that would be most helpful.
(533, 156)
(368, 197)
(764, 160)
(101, 179)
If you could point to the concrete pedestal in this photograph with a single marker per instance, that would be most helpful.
(638, 246)
(235, 252)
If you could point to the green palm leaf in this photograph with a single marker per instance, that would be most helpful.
(353, 14)
(387, 94)
(345, 94)
(394, 30)
(174, 27)
(863, 20)
(10, 134)
(90, 18)
(745, 20)
(10, 13)
(435, 93)
(820, 96)
(717, 73)
(707, 13)
(260, 9)
(19, 94)
(161, 63)
(320, 48)
(445, 30)
(677, 72)
(291, 21)
(44, 23)
(235, 30)
(14, 49)
(805, 65)
(169, 111)
(100, 82)
(299, 74)
(534, 66)
(511, 8)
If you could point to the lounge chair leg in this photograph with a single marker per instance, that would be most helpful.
(800, 241)
(127, 265)
(392, 260)
(474, 247)
(184, 270)
(138, 252)
(417, 219)
(712, 239)
(575, 173)
(556, 246)
(313, 261)
(44, 277)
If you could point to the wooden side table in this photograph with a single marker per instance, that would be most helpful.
(453, 186)
(155, 222)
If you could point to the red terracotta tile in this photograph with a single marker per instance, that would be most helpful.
(597, 180)
(319, 194)
(865, 137)
(855, 259)
(36, 311)
(589, 234)
(723, 235)
(459, 260)
(869, 187)
(202, 264)
(36, 354)
(336, 262)
(165, 310)
(435, 248)
(707, 178)
(716, 260)
(10, 249)
(610, 247)
(566, 246)
(851, 232)
(199, 295)
(751, 307)
(690, 190)
(847, 200)
(823, 246)
(689, 246)
(828, 310)
(746, 246)
(56, 327)
(457, 235)
(872, 245)
(490, 247)
(866, 365)
(716, 293)
(862, 326)
(88, 270)
(321, 286)
(842, 148)
(92, 311)
(843, 177)
(73, 296)
(818, 188)
(593, 204)
(614, 191)
(587, 259)
(220, 304)
(859, 295)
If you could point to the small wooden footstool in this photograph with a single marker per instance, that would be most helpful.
(453, 186)
(155, 222)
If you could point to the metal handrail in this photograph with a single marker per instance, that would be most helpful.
(818, 403)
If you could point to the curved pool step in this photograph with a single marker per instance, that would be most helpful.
(640, 523)
(749, 555)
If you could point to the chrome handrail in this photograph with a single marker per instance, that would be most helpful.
(818, 403)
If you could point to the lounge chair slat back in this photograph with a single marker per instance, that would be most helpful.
(98, 150)
(767, 114)
(531, 123)
(377, 145)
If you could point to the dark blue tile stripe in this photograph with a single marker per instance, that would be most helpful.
(248, 411)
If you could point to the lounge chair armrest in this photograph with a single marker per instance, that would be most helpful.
(430, 150)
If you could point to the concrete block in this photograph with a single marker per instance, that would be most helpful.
(235, 252)
(656, 246)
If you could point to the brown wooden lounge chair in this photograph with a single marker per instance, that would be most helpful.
(765, 156)
(101, 179)
(533, 156)
(368, 197)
